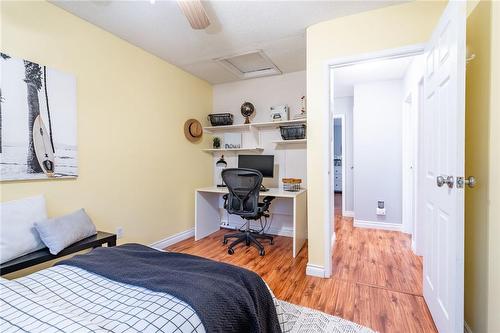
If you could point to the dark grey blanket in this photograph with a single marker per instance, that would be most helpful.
(225, 297)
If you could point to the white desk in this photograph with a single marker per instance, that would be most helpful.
(208, 219)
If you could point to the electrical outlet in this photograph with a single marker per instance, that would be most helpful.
(119, 232)
(381, 208)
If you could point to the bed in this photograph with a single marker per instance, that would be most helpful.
(66, 298)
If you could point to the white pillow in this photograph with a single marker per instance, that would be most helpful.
(60, 232)
(17, 227)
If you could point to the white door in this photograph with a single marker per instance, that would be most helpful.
(443, 148)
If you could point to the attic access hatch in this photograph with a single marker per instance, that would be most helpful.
(249, 65)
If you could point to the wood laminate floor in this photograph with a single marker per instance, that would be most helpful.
(376, 280)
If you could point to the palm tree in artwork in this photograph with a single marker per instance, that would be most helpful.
(33, 81)
(48, 109)
(4, 57)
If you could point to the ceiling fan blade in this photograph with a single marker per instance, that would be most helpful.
(195, 13)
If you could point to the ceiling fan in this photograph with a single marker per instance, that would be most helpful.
(195, 13)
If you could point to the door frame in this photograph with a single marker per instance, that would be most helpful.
(418, 243)
(343, 139)
(407, 220)
(328, 70)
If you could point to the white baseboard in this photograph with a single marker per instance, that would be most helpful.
(171, 240)
(377, 225)
(315, 270)
(284, 231)
(348, 213)
(467, 329)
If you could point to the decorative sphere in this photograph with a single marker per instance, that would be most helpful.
(247, 109)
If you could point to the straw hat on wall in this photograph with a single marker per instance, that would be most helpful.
(193, 130)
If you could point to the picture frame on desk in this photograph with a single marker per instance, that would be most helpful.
(232, 140)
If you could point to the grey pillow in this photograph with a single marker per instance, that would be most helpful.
(60, 232)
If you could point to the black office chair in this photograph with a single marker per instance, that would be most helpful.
(243, 200)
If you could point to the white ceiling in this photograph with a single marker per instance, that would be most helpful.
(276, 27)
(344, 78)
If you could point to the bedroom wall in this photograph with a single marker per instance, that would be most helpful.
(264, 92)
(476, 163)
(494, 175)
(482, 208)
(136, 169)
(376, 30)
(378, 108)
(289, 160)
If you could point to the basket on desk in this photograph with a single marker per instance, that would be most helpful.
(291, 184)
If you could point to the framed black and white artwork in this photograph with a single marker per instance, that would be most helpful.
(38, 130)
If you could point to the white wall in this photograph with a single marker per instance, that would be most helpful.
(344, 106)
(262, 93)
(377, 146)
(337, 137)
(410, 152)
(290, 160)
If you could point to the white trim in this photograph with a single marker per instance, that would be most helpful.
(334, 237)
(171, 240)
(467, 328)
(377, 225)
(315, 270)
(343, 129)
(406, 162)
(327, 108)
(419, 238)
(283, 231)
(327, 171)
(348, 213)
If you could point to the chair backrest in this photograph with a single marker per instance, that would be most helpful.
(244, 187)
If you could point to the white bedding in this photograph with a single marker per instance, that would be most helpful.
(69, 299)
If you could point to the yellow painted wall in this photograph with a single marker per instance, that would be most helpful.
(494, 178)
(376, 30)
(477, 153)
(136, 169)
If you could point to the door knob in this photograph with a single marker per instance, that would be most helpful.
(441, 180)
(462, 181)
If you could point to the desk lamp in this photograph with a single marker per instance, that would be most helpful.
(221, 164)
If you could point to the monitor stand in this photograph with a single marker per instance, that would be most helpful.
(263, 188)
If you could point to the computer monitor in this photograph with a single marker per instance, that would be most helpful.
(263, 163)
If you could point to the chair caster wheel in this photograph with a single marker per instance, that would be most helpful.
(230, 251)
(262, 252)
(247, 243)
(272, 242)
(224, 241)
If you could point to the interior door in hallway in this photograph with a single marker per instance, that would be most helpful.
(443, 149)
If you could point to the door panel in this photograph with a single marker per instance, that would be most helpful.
(443, 149)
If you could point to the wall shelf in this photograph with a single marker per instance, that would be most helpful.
(276, 124)
(227, 128)
(287, 142)
(246, 127)
(213, 150)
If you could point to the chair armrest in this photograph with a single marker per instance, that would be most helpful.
(268, 199)
(225, 196)
(266, 203)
